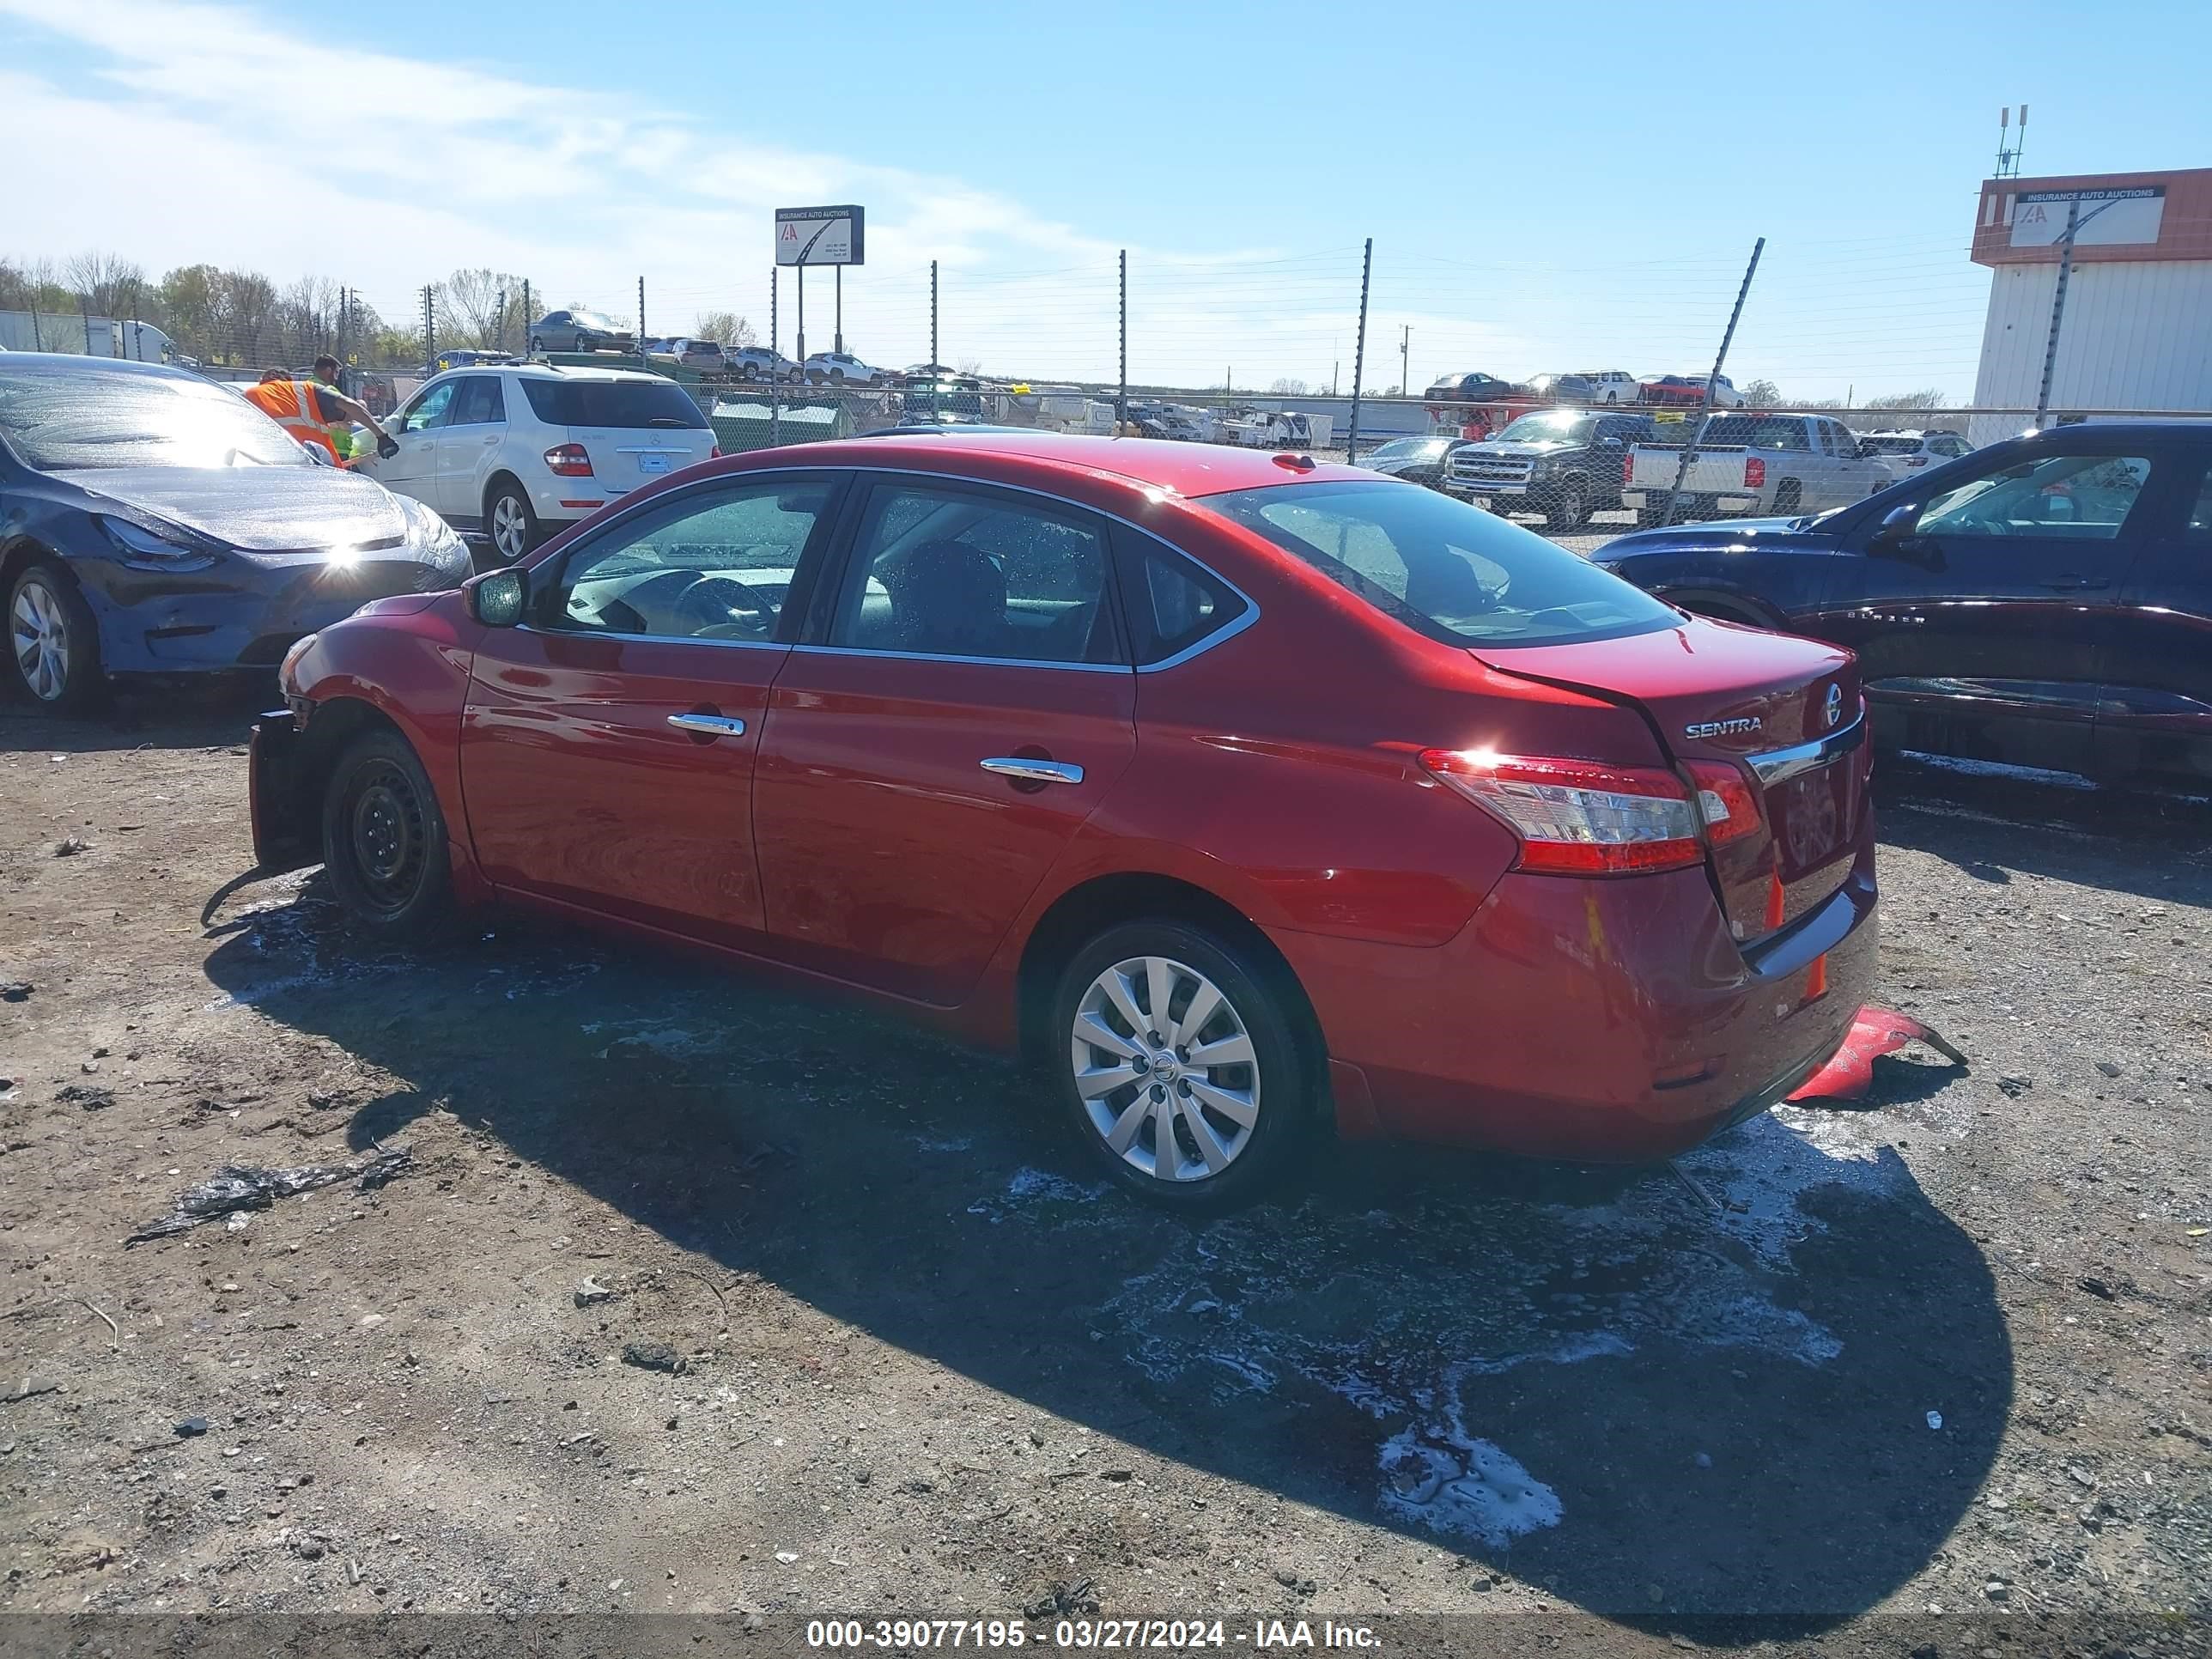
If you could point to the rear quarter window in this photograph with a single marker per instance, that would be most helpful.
(1442, 567)
(622, 404)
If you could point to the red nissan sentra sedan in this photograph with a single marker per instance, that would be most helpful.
(1253, 796)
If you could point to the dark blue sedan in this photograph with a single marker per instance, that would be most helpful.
(155, 523)
(2046, 601)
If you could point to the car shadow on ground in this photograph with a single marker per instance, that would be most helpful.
(217, 712)
(1664, 1399)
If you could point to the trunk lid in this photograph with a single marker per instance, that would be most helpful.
(624, 458)
(1784, 712)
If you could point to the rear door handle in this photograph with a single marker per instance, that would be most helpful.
(708, 726)
(1033, 771)
(492, 437)
(2073, 584)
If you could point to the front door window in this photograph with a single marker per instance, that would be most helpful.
(2079, 496)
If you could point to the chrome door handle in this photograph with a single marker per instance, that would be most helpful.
(708, 726)
(1033, 771)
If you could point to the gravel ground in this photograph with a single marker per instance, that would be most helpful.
(700, 1298)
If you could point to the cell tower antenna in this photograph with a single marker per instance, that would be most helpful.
(2011, 141)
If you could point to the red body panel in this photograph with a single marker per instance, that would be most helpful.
(851, 836)
(891, 857)
(581, 790)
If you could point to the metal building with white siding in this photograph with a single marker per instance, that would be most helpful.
(2136, 331)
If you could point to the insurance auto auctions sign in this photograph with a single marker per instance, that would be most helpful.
(819, 236)
(2104, 218)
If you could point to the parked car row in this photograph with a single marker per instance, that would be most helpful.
(1478, 405)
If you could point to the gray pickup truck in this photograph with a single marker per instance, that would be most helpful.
(1752, 464)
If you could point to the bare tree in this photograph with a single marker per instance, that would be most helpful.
(474, 302)
(1902, 404)
(1761, 394)
(1288, 387)
(307, 318)
(970, 367)
(243, 302)
(105, 284)
(725, 327)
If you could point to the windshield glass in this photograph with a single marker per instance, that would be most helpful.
(592, 319)
(1442, 567)
(1400, 449)
(60, 416)
(613, 403)
(1548, 428)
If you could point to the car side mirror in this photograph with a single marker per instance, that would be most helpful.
(498, 598)
(1897, 532)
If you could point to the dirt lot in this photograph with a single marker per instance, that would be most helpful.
(1936, 1374)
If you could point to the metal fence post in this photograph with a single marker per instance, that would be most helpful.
(2059, 308)
(1121, 399)
(1360, 355)
(774, 376)
(640, 322)
(932, 317)
(525, 316)
(429, 325)
(1705, 402)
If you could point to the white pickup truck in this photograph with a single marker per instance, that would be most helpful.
(1749, 464)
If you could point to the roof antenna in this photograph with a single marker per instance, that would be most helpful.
(2010, 141)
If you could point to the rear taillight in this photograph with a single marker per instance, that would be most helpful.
(713, 452)
(1754, 472)
(1726, 804)
(568, 461)
(1579, 817)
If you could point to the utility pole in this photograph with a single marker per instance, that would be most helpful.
(1359, 354)
(1121, 401)
(1705, 402)
(1405, 359)
(2074, 219)
(499, 328)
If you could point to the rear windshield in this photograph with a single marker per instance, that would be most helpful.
(1754, 432)
(613, 403)
(1443, 567)
(61, 415)
(1890, 445)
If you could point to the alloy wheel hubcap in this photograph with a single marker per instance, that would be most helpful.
(39, 631)
(507, 526)
(1166, 1069)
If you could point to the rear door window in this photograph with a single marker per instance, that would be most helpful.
(1442, 567)
(629, 405)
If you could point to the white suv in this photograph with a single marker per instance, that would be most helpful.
(517, 452)
(1611, 385)
(1905, 452)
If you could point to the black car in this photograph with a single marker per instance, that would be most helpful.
(1417, 460)
(1563, 463)
(2046, 601)
(154, 523)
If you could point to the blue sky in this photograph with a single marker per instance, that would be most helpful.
(1548, 187)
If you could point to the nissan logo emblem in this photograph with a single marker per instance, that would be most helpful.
(1835, 704)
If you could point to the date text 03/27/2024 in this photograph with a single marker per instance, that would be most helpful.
(1128, 1635)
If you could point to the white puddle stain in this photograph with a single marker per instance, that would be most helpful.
(1249, 1301)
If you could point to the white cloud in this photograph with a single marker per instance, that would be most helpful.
(160, 140)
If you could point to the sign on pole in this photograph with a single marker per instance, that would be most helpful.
(819, 236)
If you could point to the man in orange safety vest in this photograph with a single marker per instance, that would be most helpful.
(317, 413)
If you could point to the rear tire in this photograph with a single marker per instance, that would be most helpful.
(1236, 1093)
(384, 839)
(510, 522)
(53, 641)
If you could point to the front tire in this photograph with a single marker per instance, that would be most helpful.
(53, 641)
(1185, 1064)
(1569, 509)
(511, 523)
(384, 839)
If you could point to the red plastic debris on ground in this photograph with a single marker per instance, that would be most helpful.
(1875, 1032)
